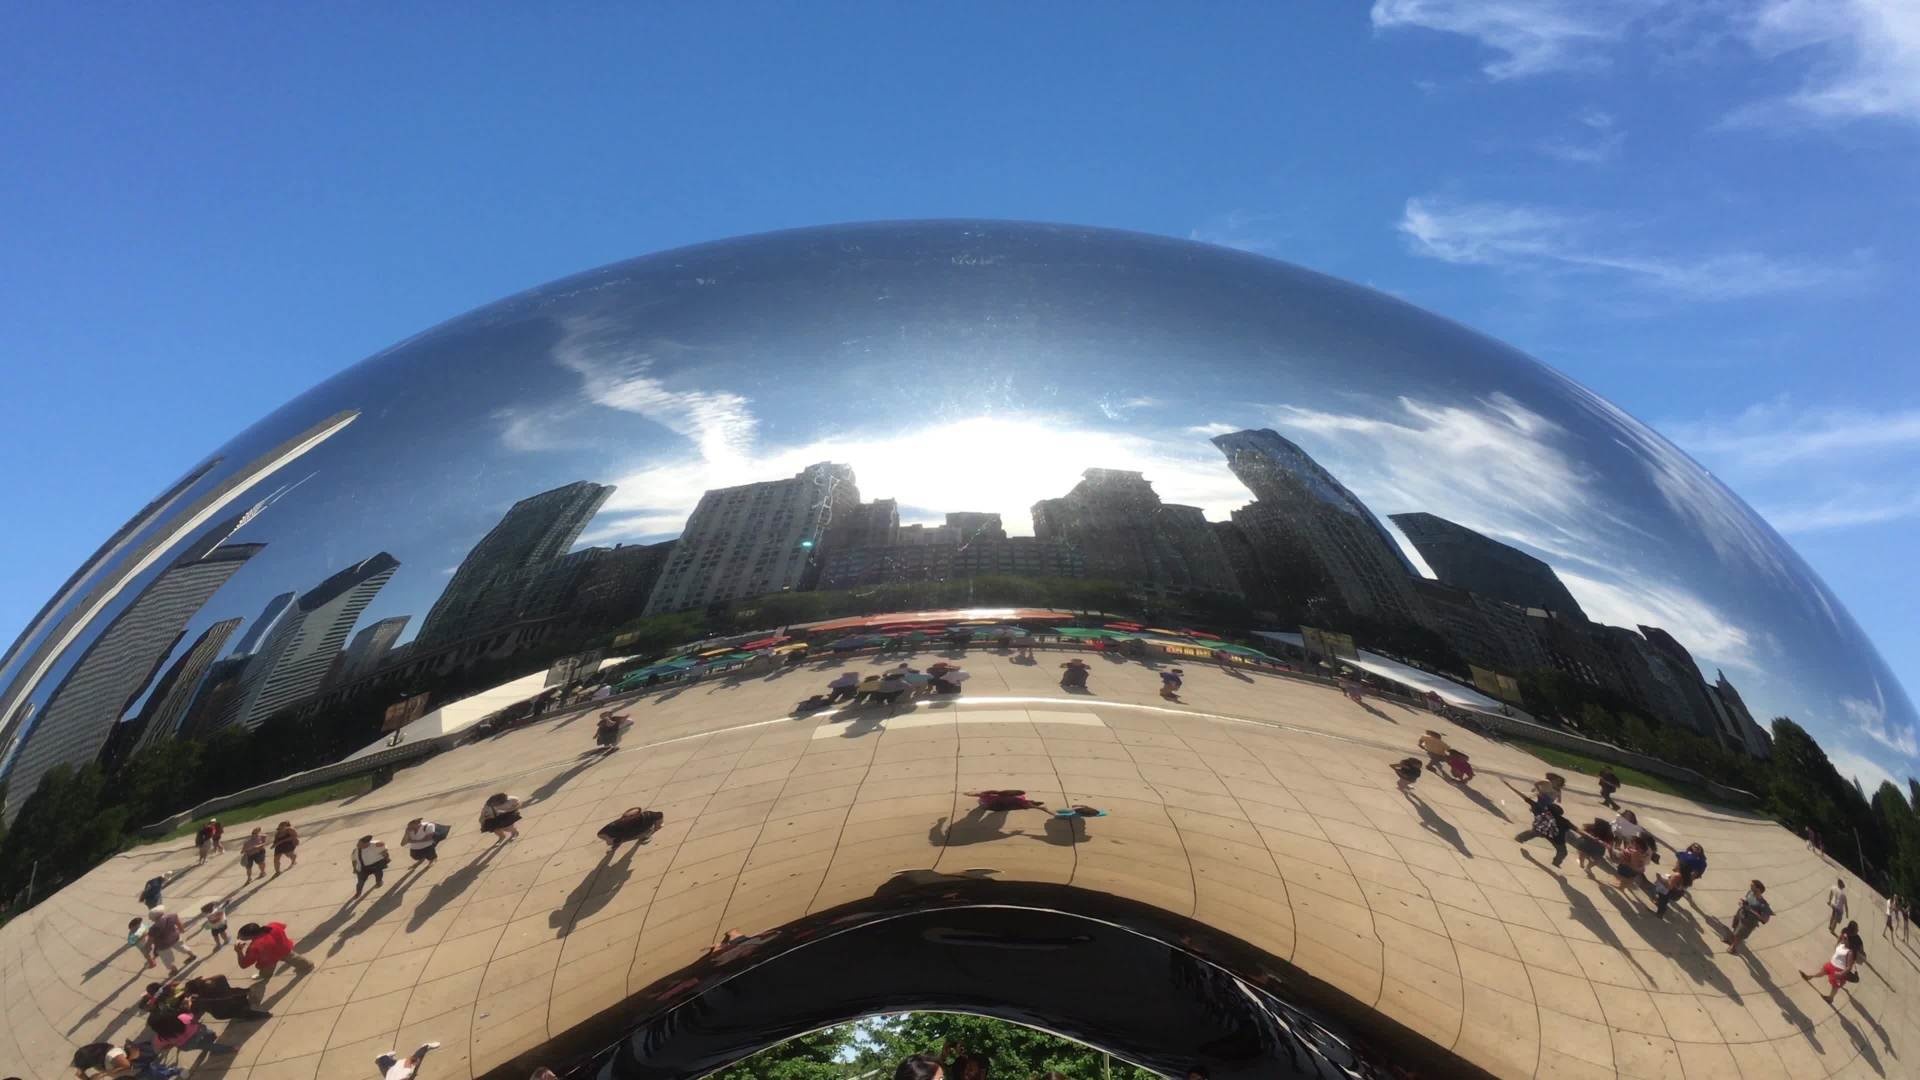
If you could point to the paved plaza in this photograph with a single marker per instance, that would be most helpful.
(1260, 805)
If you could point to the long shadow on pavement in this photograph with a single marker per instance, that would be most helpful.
(446, 889)
(594, 892)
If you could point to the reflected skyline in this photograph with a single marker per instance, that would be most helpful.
(1061, 379)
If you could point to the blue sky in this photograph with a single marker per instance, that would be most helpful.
(1706, 211)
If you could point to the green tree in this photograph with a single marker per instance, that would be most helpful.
(1012, 1050)
(819, 1055)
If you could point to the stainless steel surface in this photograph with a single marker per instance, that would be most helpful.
(1273, 448)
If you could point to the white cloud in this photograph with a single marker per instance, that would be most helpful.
(1776, 433)
(1692, 621)
(1870, 718)
(1210, 430)
(1531, 37)
(1599, 142)
(1863, 55)
(617, 374)
(1515, 236)
(1859, 767)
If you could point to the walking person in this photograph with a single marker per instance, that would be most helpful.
(214, 914)
(500, 816)
(286, 839)
(1609, 783)
(1549, 822)
(253, 854)
(1893, 910)
(1836, 904)
(264, 948)
(948, 680)
(1839, 969)
(369, 860)
(1460, 765)
(207, 840)
(1074, 674)
(1437, 750)
(164, 931)
(607, 730)
(422, 840)
(393, 1067)
(149, 895)
(1408, 770)
(1752, 912)
(1170, 682)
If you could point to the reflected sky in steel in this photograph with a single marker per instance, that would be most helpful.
(961, 366)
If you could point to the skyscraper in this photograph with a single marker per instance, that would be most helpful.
(263, 625)
(1122, 529)
(368, 648)
(538, 529)
(295, 657)
(1301, 508)
(869, 524)
(116, 667)
(755, 538)
(176, 690)
(1459, 556)
(1759, 741)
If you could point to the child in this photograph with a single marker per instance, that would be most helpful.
(1408, 770)
(1437, 750)
(1461, 766)
(215, 914)
(1752, 912)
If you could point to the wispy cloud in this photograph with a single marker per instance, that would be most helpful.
(1597, 142)
(1529, 37)
(1522, 237)
(1778, 432)
(1246, 230)
(1863, 58)
(1870, 717)
(1859, 460)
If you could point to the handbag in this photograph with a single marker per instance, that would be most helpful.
(440, 832)
(1853, 976)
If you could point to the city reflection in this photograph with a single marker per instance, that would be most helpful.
(902, 438)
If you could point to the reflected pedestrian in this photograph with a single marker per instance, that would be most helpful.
(635, 823)
(111, 1060)
(369, 860)
(1170, 683)
(253, 854)
(1437, 750)
(948, 681)
(1839, 969)
(1752, 912)
(264, 948)
(1836, 904)
(286, 839)
(393, 1067)
(422, 840)
(995, 799)
(149, 895)
(608, 729)
(207, 840)
(214, 914)
(1550, 822)
(1408, 770)
(1074, 674)
(1609, 783)
(1460, 765)
(500, 816)
(181, 1032)
(164, 931)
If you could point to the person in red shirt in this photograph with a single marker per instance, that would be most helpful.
(265, 948)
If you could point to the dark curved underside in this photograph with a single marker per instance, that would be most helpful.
(1161, 991)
